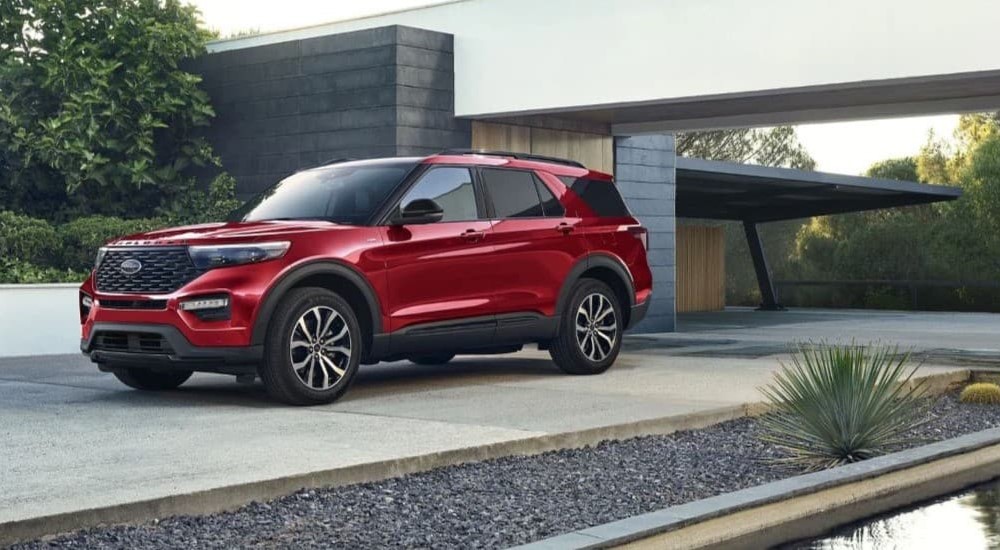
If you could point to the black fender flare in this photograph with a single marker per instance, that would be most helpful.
(288, 281)
(590, 261)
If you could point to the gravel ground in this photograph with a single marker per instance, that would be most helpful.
(499, 503)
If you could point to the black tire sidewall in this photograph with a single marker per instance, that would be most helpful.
(431, 358)
(279, 378)
(150, 380)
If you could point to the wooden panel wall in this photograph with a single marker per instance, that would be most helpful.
(701, 268)
(595, 151)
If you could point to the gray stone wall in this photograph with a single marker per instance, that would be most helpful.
(373, 93)
(645, 174)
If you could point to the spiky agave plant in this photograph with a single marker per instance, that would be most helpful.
(836, 404)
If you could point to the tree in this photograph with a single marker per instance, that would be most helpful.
(777, 146)
(902, 169)
(96, 114)
(956, 241)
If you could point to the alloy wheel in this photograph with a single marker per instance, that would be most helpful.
(596, 327)
(320, 348)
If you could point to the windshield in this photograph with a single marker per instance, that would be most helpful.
(347, 194)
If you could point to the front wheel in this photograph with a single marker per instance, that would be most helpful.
(591, 333)
(313, 348)
(150, 380)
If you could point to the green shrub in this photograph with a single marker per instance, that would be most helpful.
(27, 239)
(211, 205)
(838, 404)
(983, 393)
(19, 272)
(82, 237)
(98, 114)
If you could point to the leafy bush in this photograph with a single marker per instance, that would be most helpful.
(982, 393)
(27, 239)
(96, 114)
(82, 237)
(18, 272)
(838, 404)
(213, 205)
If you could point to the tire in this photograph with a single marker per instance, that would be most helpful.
(431, 358)
(150, 380)
(575, 354)
(316, 370)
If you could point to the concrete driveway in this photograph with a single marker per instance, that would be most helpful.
(74, 438)
(944, 332)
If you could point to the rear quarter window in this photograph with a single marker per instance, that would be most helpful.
(601, 196)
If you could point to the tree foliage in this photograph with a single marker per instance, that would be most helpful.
(777, 146)
(97, 116)
(951, 241)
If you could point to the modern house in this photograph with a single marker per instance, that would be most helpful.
(606, 83)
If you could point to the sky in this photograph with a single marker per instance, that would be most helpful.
(841, 147)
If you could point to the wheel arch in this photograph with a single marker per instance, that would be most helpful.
(346, 281)
(607, 269)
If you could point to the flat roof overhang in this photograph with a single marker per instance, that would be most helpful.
(718, 190)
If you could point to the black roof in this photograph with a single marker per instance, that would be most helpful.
(731, 191)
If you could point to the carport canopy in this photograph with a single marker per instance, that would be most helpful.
(717, 190)
(751, 194)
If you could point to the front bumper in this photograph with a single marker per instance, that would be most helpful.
(163, 347)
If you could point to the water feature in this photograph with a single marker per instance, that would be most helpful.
(969, 520)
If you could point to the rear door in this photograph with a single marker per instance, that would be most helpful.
(535, 244)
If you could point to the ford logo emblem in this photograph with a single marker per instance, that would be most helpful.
(130, 267)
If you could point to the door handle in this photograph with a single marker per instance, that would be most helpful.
(564, 228)
(473, 235)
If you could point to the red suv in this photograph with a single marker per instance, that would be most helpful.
(376, 260)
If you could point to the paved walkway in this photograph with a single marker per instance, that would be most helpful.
(74, 438)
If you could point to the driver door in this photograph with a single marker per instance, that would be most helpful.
(440, 284)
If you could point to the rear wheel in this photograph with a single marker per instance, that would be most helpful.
(591, 333)
(150, 380)
(431, 358)
(313, 348)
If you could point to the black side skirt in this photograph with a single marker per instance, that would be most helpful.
(471, 335)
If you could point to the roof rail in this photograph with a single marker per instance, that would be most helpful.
(519, 156)
(335, 161)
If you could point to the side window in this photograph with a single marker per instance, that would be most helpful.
(601, 196)
(513, 193)
(451, 188)
(550, 204)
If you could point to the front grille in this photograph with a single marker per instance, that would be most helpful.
(133, 342)
(163, 270)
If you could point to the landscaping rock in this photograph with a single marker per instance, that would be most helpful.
(503, 502)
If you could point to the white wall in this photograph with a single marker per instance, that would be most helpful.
(517, 56)
(39, 319)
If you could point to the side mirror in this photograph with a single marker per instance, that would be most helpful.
(419, 211)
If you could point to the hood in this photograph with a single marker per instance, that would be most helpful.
(225, 233)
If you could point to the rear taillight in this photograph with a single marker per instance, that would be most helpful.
(641, 234)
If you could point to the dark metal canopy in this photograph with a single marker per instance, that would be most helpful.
(729, 191)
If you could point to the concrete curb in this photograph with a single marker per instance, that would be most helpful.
(778, 512)
(233, 496)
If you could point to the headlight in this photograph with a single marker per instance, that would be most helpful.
(101, 252)
(208, 257)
